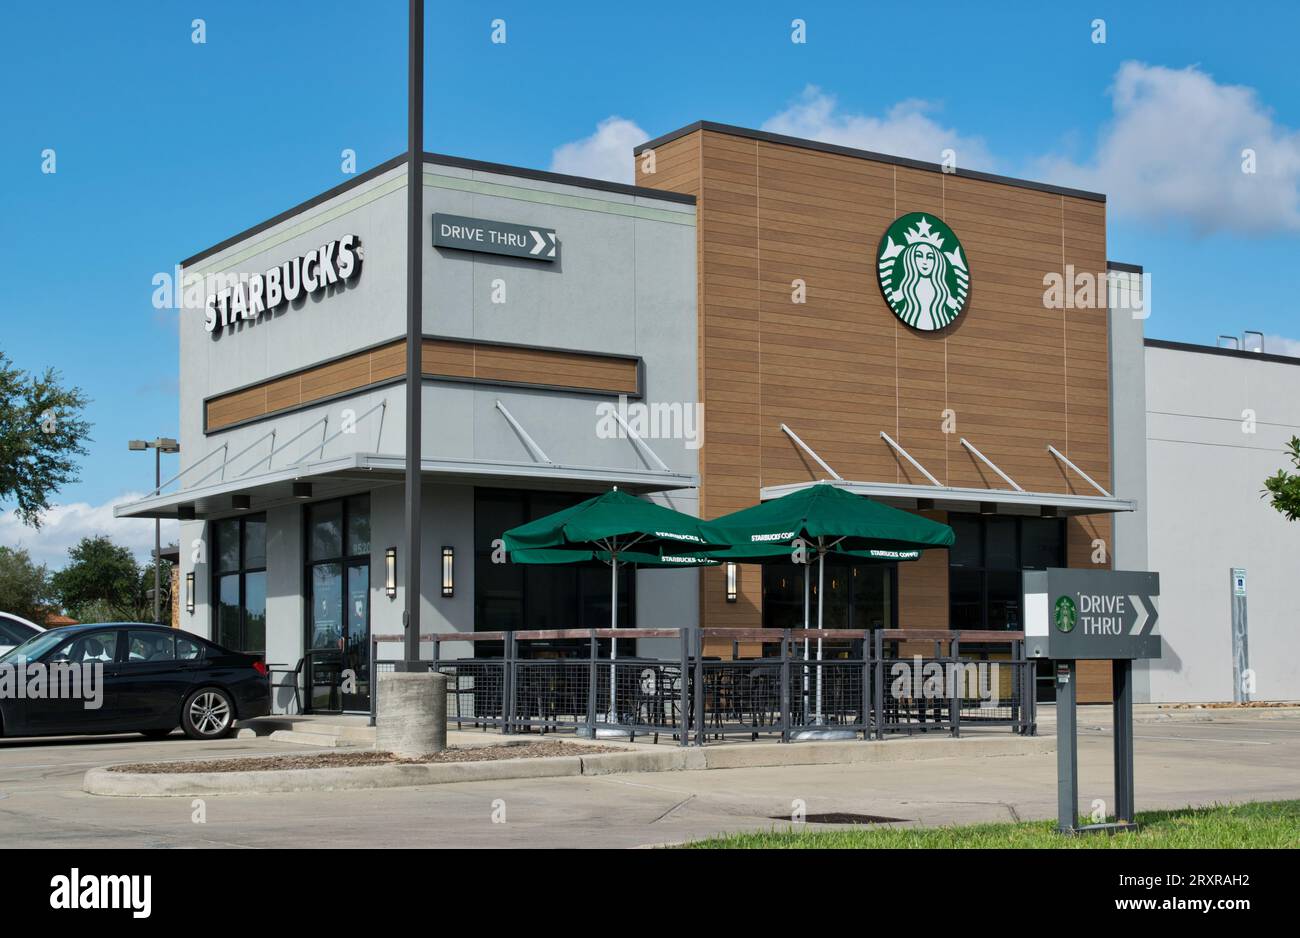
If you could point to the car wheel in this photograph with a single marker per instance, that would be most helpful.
(208, 714)
(157, 734)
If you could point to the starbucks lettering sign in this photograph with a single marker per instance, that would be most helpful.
(923, 271)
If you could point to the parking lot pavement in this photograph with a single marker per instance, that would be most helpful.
(41, 802)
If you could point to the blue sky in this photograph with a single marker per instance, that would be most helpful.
(164, 146)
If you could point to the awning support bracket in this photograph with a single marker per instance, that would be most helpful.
(908, 456)
(244, 451)
(642, 446)
(1083, 475)
(534, 450)
(988, 462)
(279, 449)
(202, 459)
(811, 452)
(346, 428)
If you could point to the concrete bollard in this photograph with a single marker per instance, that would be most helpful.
(411, 713)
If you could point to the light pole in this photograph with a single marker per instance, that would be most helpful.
(159, 446)
(414, 326)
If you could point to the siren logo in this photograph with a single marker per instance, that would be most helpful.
(1065, 614)
(922, 271)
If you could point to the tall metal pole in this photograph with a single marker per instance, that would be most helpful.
(414, 324)
(157, 540)
(1122, 710)
(1067, 748)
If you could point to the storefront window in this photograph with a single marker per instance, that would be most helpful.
(239, 583)
(522, 596)
(986, 562)
(858, 596)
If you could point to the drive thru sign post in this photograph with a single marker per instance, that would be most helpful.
(1073, 615)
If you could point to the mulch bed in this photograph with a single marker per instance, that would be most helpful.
(340, 760)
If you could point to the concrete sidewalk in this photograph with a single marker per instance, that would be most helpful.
(639, 758)
(1178, 763)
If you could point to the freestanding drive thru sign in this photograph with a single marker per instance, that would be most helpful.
(1073, 615)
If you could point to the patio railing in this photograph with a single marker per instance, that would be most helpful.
(868, 683)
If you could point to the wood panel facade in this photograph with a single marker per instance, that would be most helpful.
(839, 367)
(445, 359)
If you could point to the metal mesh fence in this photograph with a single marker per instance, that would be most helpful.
(913, 697)
(475, 692)
(739, 697)
(876, 687)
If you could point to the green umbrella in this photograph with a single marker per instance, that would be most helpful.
(615, 528)
(824, 514)
(613, 522)
(825, 519)
(663, 560)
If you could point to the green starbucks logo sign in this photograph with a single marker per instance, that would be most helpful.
(1066, 614)
(923, 272)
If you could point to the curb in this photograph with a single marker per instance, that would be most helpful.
(102, 781)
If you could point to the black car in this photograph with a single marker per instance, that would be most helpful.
(126, 677)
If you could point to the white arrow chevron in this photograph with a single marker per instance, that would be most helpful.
(538, 241)
(1143, 615)
(551, 238)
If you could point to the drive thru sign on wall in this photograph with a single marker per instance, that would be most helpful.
(495, 237)
(1073, 615)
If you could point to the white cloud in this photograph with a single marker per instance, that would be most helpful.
(1281, 345)
(606, 154)
(904, 130)
(64, 525)
(1173, 154)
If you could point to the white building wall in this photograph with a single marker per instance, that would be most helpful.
(1206, 469)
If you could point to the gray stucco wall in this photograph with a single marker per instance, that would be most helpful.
(1206, 472)
(625, 284)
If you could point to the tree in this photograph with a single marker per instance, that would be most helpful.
(41, 430)
(103, 583)
(1284, 487)
(142, 610)
(98, 573)
(24, 585)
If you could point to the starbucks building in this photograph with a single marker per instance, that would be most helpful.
(755, 315)
(892, 327)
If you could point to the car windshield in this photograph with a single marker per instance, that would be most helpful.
(34, 647)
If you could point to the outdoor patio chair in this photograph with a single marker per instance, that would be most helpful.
(296, 671)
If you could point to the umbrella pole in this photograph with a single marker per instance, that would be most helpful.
(807, 588)
(613, 624)
(821, 604)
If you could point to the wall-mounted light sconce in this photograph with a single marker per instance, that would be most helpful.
(302, 490)
(448, 572)
(241, 502)
(925, 504)
(390, 572)
(185, 512)
(731, 582)
(189, 593)
(988, 508)
(1049, 511)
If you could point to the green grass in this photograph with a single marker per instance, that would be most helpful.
(1257, 825)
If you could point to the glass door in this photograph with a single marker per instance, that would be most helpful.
(356, 638)
(338, 618)
(325, 641)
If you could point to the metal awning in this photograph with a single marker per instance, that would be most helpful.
(1007, 501)
(358, 472)
(1013, 501)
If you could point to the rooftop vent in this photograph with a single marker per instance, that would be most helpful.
(1250, 341)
